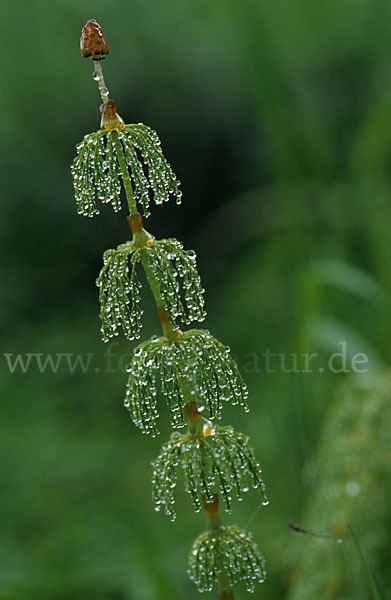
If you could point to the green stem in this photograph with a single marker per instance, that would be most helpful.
(170, 330)
(212, 512)
(125, 173)
(224, 590)
(214, 523)
(194, 418)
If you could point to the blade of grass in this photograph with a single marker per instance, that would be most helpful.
(372, 584)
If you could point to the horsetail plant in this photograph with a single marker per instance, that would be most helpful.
(191, 369)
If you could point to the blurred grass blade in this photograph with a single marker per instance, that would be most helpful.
(372, 584)
(345, 277)
(328, 334)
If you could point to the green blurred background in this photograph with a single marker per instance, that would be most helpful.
(276, 118)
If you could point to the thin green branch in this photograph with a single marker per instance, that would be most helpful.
(170, 329)
(125, 174)
(171, 332)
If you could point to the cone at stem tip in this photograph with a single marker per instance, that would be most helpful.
(93, 43)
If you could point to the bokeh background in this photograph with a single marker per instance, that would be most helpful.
(276, 117)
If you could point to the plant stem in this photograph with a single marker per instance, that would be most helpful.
(98, 73)
(226, 594)
(214, 523)
(194, 418)
(212, 513)
(170, 330)
(141, 239)
(125, 174)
